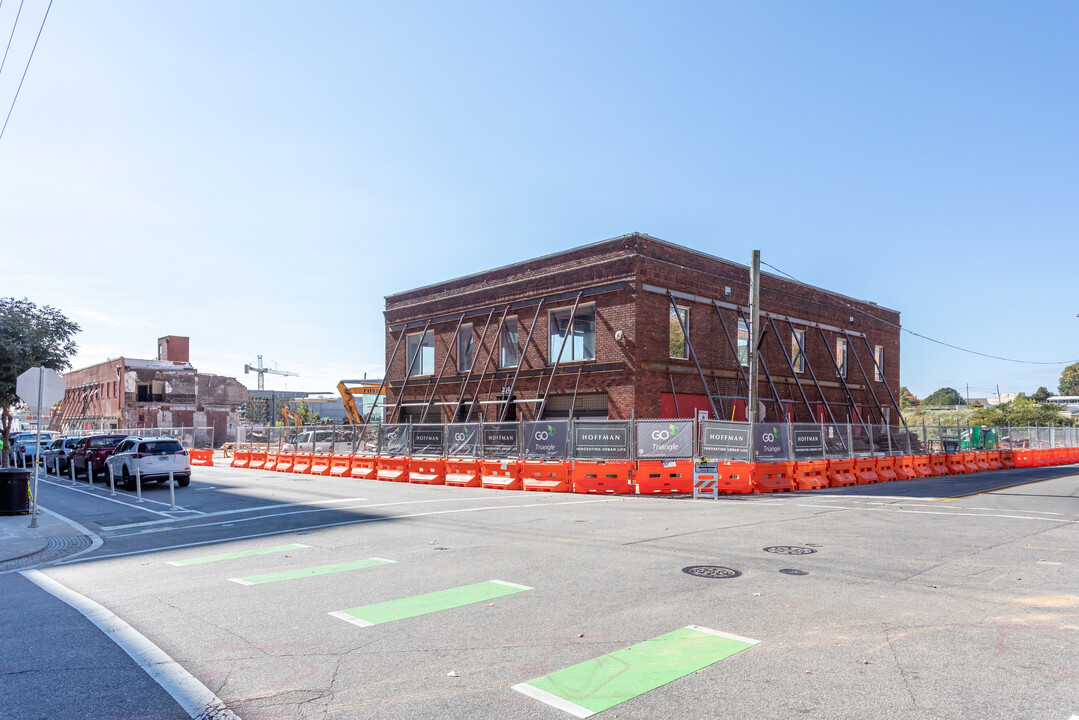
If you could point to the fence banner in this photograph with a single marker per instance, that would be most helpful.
(725, 440)
(501, 440)
(770, 442)
(808, 442)
(393, 439)
(601, 440)
(546, 439)
(664, 438)
(428, 440)
(463, 440)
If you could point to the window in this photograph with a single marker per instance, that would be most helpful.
(878, 356)
(743, 342)
(798, 342)
(464, 348)
(507, 343)
(679, 346)
(420, 353)
(581, 343)
(841, 357)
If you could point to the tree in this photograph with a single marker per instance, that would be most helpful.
(1022, 411)
(906, 398)
(1069, 380)
(944, 396)
(306, 415)
(1041, 394)
(30, 336)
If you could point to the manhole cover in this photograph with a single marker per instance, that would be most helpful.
(789, 550)
(792, 571)
(715, 572)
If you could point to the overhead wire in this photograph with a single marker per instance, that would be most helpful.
(28, 60)
(12, 35)
(926, 337)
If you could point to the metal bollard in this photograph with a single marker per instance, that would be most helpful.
(90, 473)
(172, 492)
(71, 468)
(112, 480)
(138, 483)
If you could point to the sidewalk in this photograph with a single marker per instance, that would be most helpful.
(18, 541)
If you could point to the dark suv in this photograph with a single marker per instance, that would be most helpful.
(94, 448)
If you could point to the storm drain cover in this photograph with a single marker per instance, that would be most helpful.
(789, 550)
(716, 572)
(792, 571)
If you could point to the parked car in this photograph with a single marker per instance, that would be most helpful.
(25, 445)
(151, 457)
(94, 449)
(58, 452)
(323, 442)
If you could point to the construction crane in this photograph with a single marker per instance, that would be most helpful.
(362, 387)
(261, 370)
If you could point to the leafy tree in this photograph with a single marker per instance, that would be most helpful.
(30, 336)
(1069, 380)
(306, 414)
(944, 396)
(1041, 394)
(906, 398)
(1019, 412)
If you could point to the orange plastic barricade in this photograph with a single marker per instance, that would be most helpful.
(939, 464)
(284, 462)
(463, 472)
(774, 477)
(955, 464)
(841, 473)
(1042, 457)
(921, 465)
(664, 476)
(865, 470)
(363, 467)
(981, 461)
(1021, 458)
(886, 469)
(302, 463)
(320, 464)
(1006, 459)
(340, 465)
(545, 475)
(257, 460)
(970, 460)
(811, 474)
(201, 457)
(993, 458)
(271, 461)
(392, 469)
(734, 477)
(501, 474)
(427, 471)
(596, 476)
(904, 467)
(241, 458)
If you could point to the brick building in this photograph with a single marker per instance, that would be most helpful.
(167, 392)
(463, 347)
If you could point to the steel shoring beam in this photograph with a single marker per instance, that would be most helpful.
(490, 356)
(441, 370)
(868, 391)
(813, 374)
(692, 353)
(468, 376)
(521, 362)
(384, 376)
(573, 402)
(846, 389)
(561, 349)
(408, 371)
(764, 365)
(674, 394)
(734, 350)
(886, 385)
(790, 365)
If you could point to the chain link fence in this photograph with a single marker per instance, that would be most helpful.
(191, 438)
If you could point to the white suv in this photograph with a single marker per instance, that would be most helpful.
(155, 457)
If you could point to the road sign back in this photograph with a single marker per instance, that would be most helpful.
(52, 387)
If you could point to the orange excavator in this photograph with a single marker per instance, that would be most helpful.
(361, 387)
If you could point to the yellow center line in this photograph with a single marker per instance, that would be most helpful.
(1002, 487)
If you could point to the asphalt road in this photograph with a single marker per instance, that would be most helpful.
(937, 598)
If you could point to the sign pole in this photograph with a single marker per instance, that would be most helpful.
(754, 341)
(37, 446)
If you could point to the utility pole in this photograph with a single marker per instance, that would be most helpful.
(754, 340)
(998, 395)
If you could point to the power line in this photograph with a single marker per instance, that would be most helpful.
(17, 14)
(926, 337)
(27, 66)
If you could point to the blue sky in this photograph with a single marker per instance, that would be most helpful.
(259, 175)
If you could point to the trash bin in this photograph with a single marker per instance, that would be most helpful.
(14, 491)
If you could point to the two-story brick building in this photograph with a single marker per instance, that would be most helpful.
(463, 347)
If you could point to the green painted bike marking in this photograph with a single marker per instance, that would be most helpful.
(311, 571)
(391, 610)
(239, 554)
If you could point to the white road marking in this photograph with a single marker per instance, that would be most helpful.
(347, 522)
(513, 585)
(235, 580)
(131, 505)
(194, 697)
(234, 511)
(553, 700)
(937, 512)
(1048, 562)
(350, 619)
(718, 633)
